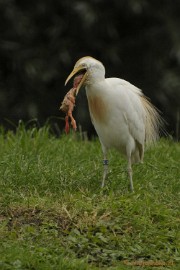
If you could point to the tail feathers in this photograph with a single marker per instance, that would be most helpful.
(154, 123)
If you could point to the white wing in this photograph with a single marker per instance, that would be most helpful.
(129, 104)
(122, 116)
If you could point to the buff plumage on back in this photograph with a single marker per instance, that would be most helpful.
(153, 123)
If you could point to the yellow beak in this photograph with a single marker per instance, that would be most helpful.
(75, 71)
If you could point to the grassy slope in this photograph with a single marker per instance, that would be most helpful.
(54, 215)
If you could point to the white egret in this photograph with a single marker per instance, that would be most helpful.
(123, 117)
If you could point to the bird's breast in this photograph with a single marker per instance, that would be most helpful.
(98, 108)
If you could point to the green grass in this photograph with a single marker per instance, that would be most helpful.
(54, 215)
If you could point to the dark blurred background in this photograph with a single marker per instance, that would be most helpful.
(40, 41)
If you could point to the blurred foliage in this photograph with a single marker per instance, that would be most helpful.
(138, 40)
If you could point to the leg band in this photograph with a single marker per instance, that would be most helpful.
(105, 162)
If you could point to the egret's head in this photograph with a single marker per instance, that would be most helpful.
(91, 69)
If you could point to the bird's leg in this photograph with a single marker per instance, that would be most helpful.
(129, 169)
(105, 164)
(105, 172)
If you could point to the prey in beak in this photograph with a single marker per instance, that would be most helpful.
(67, 106)
(80, 74)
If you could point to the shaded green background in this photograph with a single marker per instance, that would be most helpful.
(137, 40)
